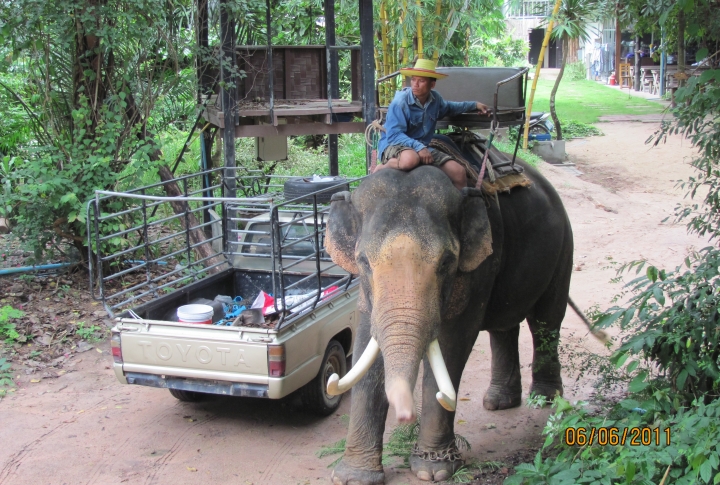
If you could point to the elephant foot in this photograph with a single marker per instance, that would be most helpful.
(344, 474)
(549, 389)
(497, 398)
(435, 466)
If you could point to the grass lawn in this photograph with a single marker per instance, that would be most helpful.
(586, 101)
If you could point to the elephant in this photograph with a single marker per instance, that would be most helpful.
(436, 266)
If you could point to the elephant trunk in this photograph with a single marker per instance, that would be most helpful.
(403, 348)
(405, 317)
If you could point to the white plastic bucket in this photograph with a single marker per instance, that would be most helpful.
(201, 314)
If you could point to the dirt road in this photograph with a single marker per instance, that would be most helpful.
(85, 428)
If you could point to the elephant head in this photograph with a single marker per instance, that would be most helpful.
(407, 235)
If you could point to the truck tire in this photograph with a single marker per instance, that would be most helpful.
(299, 186)
(187, 396)
(314, 395)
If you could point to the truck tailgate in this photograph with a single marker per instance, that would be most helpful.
(194, 351)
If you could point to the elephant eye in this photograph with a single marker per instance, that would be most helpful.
(447, 260)
(363, 263)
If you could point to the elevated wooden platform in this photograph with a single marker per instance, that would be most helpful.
(299, 86)
(292, 117)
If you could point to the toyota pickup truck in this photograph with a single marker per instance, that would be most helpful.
(147, 262)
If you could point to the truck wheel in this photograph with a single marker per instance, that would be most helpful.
(314, 396)
(297, 187)
(187, 396)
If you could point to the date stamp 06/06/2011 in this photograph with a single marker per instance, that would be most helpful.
(638, 436)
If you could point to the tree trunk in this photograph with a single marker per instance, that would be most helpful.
(638, 87)
(555, 88)
(88, 57)
(681, 46)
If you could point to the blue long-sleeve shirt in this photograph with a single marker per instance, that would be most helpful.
(410, 124)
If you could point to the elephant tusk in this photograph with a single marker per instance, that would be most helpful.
(337, 386)
(446, 395)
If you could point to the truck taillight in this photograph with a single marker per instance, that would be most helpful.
(276, 360)
(116, 348)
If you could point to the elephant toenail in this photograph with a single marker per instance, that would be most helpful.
(442, 475)
(424, 475)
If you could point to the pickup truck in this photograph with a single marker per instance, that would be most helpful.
(146, 265)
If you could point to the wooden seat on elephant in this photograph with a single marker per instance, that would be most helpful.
(468, 149)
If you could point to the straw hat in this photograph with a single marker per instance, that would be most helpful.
(424, 68)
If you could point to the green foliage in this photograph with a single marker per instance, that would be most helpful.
(503, 51)
(334, 449)
(672, 319)
(94, 92)
(697, 117)
(85, 332)
(303, 161)
(692, 454)
(15, 131)
(8, 333)
(6, 380)
(508, 147)
(576, 129)
(576, 71)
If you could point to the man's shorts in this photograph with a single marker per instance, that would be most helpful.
(393, 151)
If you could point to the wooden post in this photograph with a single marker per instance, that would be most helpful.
(618, 47)
(638, 81)
(228, 93)
(367, 66)
(334, 83)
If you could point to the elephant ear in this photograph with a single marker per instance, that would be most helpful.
(342, 232)
(475, 231)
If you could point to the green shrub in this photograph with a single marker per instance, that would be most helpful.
(685, 447)
(502, 52)
(8, 333)
(6, 380)
(576, 71)
(672, 320)
(576, 129)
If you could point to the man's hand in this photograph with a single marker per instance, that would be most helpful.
(425, 156)
(482, 109)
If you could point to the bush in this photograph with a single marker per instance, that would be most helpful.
(576, 129)
(576, 71)
(502, 52)
(682, 448)
(672, 321)
(8, 333)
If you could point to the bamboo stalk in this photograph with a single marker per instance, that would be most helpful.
(385, 46)
(381, 86)
(436, 33)
(467, 46)
(404, 41)
(419, 26)
(546, 40)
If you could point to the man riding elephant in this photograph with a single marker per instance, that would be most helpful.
(411, 121)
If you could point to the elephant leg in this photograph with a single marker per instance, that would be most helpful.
(436, 456)
(362, 461)
(505, 390)
(546, 378)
